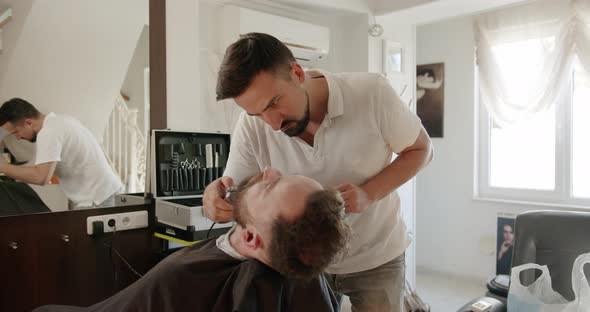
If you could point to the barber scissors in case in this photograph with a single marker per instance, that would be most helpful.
(186, 164)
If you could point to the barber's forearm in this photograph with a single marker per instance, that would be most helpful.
(403, 168)
(30, 175)
(400, 171)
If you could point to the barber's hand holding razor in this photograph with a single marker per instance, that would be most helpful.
(355, 198)
(215, 206)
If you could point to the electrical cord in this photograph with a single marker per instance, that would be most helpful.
(111, 253)
(209, 232)
(111, 250)
(127, 264)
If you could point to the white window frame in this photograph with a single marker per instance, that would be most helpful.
(562, 195)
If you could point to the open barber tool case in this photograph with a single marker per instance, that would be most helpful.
(183, 164)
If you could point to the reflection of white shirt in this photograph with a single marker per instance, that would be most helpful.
(22, 150)
(82, 168)
(366, 122)
(224, 245)
(3, 133)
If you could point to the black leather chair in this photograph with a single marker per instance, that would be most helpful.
(552, 238)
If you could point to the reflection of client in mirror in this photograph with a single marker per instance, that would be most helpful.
(425, 80)
(65, 148)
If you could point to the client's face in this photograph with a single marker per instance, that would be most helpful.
(264, 197)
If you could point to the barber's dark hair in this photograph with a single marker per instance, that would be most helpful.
(304, 248)
(244, 59)
(16, 110)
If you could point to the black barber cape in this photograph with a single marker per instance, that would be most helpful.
(203, 278)
(19, 198)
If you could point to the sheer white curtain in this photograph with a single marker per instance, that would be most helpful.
(525, 55)
(582, 14)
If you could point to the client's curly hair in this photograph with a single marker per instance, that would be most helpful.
(304, 248)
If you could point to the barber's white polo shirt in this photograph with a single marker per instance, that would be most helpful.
(82, 169)
(366, 122)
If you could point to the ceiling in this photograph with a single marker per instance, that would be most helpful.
(412, 11)
(445, 9)
(381, 7)
(377, 7)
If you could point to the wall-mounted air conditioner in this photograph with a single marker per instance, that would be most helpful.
(309, 43)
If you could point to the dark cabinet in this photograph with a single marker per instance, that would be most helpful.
(60, 264)
(49, 259)
(17, 268)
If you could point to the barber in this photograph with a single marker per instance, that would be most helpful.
(340, 129)
(65, 148)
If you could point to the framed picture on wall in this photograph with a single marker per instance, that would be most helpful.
(392, 57)
(504, 243)
(430, 97)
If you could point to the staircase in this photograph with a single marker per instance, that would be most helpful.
(5, 17)
(124, 145)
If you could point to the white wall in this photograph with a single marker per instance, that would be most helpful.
(404, 34)
(71, 57)
(133, 85)
(223, 116)
(351, 44)
(455, 233)
(193, 31)
(214, 116)
(182, 65)
(193, 58)
(12, 30)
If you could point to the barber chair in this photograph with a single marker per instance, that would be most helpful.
(552, 238)
(18, 198)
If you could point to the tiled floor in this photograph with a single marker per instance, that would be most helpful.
(444, 293)
(447, 293)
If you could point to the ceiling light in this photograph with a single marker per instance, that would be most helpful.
(376, 30)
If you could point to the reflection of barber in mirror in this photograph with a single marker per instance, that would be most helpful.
(425, 80)
(64, 148)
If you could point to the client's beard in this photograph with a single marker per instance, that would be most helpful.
(241, 215)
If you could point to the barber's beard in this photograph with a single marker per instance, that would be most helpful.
(298, 126)
(34, 138)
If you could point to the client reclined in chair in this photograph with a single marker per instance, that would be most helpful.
(286, 224)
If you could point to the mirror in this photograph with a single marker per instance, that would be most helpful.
(88, 60)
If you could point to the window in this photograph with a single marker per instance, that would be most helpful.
(533, 68)
(522, 156)
(544, 157)
(580, 134)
